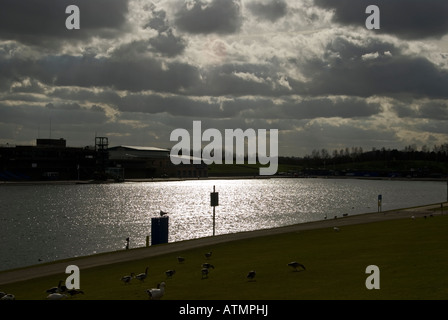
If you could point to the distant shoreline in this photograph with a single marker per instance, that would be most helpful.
(86, 182)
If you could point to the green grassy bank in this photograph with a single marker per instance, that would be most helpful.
(412, 255)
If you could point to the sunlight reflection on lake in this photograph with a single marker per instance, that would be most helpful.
(51, 222)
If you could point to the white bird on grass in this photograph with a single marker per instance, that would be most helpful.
(56, 296)
(156, 293)
(142, 276)
(8, 296)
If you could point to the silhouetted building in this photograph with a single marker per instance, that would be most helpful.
(50, 159)
(149, 162)
(62, 143)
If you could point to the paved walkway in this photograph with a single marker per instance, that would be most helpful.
(142, 253)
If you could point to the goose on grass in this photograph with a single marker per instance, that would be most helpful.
(74, 292)
(170, 273)
(56, 296)
(204, 272)
(8, 296)
(156, 293)
(295, 265)
(142, 276)
(251, 275)
(180, 259)
(60, 288)
(128, 278)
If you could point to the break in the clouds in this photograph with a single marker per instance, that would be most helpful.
(136, 70)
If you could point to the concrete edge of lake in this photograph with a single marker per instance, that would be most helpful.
(58, 267)
(87, 182)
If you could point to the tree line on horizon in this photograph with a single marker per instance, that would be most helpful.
(324, 157)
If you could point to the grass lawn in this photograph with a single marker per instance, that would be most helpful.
(412, 256)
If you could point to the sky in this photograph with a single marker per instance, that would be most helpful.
(136, 70)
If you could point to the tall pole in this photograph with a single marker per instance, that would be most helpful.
(214, 202)
(214, 214)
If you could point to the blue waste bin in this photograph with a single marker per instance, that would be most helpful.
(159, 230)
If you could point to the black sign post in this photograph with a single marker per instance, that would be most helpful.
(214, 202)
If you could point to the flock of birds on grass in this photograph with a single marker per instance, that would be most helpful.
(61, 291)
(54, 293)
(158, 292)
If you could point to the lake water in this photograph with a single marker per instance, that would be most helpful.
(51, 222)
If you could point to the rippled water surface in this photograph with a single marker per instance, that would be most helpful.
(50, 222)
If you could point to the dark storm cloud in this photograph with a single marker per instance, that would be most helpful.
(168, 44)
(43, 22)
(27, 86)
(349, 67)
(330, 108)
(240, 79)
(120, 72)
(217, 16)
(248, 107)
(264, 108)
(62, 114)
(85, 95)
(410, 19)
(63, 106)
(347, 70)
(271, 10)
(158, 21)
(433, 110)
(175, 105)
